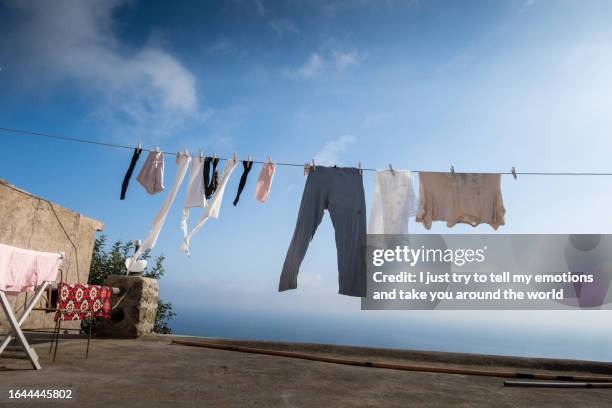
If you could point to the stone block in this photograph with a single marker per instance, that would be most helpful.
(134, 309)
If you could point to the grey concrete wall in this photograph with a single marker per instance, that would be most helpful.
(27, 221)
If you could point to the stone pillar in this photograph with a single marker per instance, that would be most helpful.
(134, 315)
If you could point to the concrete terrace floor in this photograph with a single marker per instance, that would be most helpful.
(152, 372)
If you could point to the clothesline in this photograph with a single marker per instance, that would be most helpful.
(473, 199)
(119, 146)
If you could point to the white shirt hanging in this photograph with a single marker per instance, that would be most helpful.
(214, 205)
(394, 202)
(195, 197)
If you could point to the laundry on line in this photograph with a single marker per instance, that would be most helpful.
(214, 207)
(264, 181)
(128, 173)
(151, 175)
(469, 198)
(451, 197)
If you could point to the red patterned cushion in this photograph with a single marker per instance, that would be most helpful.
(78, 301)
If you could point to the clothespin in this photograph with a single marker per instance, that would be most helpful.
(360, 171)
(452, 170)
(215, 155)
(391, 169)
(139, 147)
(201, 156)
(250, 158)
(513, 172)
(270, 159)
(309, 166)
(235, 157)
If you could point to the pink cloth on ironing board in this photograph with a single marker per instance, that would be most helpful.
(21, 270)
(264, 182)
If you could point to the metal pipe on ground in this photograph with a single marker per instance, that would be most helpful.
(391, 366)
(553, 384)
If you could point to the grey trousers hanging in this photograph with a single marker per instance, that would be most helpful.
(340, 191)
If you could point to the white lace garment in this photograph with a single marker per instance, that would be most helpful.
(394, 202)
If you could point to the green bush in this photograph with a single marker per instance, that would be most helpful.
(106, 262)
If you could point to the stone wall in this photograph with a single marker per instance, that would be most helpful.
(27, 221)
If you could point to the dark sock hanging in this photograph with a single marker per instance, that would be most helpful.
(206, 174)
(245, 173)
(210, 184)
(128, 173)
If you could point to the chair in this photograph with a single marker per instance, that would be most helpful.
(77, 301)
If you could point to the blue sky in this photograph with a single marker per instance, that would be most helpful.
(423, 85)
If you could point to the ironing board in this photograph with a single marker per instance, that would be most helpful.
(16, 324)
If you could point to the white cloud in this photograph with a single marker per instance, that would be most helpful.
(311, 68)
(330, 153)
(73, 42)
(282, 25)
(345, 60)
(335, 61)
(221, 46)
(526, 5)
(261, 10)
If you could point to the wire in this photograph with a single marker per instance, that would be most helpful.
(119, 146)
(76, 252)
